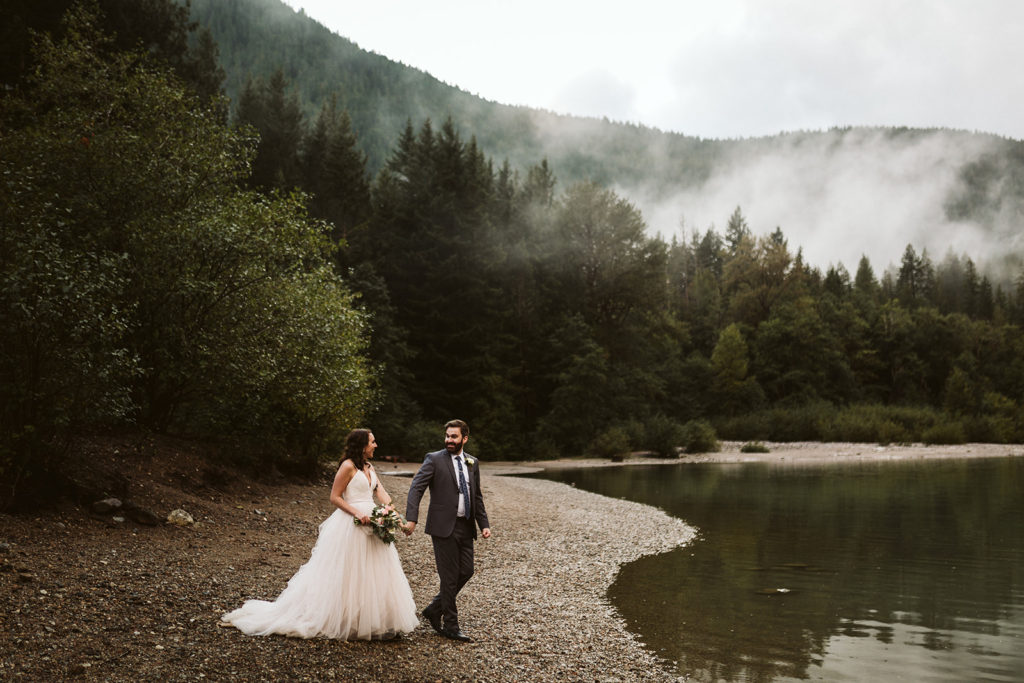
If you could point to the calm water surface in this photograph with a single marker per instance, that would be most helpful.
(885, 571)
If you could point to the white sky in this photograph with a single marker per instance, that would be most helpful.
(715, 68)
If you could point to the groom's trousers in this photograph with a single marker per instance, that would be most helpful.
(453, 556)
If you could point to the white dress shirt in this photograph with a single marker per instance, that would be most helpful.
(456, 459)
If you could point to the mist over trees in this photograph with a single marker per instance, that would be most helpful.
(259, 281)
(837, 193)
(554, 320)
(552, 317)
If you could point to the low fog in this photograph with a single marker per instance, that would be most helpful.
(841, 196)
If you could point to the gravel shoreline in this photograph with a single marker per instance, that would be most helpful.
(99, 597)
(92, 598)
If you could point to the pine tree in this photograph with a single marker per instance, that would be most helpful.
(274, 111)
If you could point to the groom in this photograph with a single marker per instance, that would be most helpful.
(453, 478)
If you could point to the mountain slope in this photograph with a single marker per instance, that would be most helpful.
(839, 194)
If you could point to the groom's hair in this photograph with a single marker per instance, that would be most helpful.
(458, 424)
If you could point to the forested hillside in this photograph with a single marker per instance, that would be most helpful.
(258, 37)
(841, 193)
(159, 269)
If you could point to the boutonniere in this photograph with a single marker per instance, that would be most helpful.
(470, 461)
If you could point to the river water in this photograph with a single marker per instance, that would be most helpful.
(867, 571)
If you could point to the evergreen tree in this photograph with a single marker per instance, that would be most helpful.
(161, 28)
(273, 110)
(609, 266)
(864, 283)
(736, 231)
(334, 173)
(916, 280)
(733, 390)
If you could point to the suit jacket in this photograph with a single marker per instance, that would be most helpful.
(438, 474)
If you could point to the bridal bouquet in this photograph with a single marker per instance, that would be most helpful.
(384, 522)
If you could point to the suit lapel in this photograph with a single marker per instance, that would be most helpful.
(447, 457)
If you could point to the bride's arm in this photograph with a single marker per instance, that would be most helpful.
(382, 495)
(341, 481)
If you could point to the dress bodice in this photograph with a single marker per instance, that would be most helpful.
(360, 489)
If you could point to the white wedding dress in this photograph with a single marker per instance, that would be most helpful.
(352, 587)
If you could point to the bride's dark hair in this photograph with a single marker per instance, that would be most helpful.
(355, 444)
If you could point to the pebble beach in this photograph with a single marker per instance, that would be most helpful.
(91, 596)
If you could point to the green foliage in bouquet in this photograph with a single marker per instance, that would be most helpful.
(384, 523)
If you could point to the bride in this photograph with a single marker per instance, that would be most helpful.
(353, 586)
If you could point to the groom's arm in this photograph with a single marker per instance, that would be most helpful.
(478, 505)
(420, 482)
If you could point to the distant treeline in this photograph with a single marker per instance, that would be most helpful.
(159, 268)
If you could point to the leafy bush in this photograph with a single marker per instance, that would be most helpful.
(754, 447)
(799, 423)
(664, 436)
(892, 432)
(867, 423)
(636, 432)
(748, 427)
(699, 437)
(611, 443)
(951, 432)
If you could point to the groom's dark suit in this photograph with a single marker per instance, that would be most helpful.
(452, 538)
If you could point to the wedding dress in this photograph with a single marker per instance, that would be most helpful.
(352, 587)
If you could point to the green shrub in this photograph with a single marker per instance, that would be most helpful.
(872, 422)
(745, 427)
(699, 437)
(611, 443)
(951, 432)
(891, 432)
(754, 447)
(800, 423)
(850, 426)
(664, 436)
(636, 432)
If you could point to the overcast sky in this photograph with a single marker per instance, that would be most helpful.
(715, 68)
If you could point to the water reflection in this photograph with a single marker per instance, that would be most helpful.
(868, 571)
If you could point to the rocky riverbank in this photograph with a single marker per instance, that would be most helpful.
(118, 594)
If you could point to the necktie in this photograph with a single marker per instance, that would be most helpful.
(462, 484)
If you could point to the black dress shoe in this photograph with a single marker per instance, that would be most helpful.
(435, 620)
(456, 634)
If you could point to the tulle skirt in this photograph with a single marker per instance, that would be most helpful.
(352, 588)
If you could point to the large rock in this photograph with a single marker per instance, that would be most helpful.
(180, 518)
